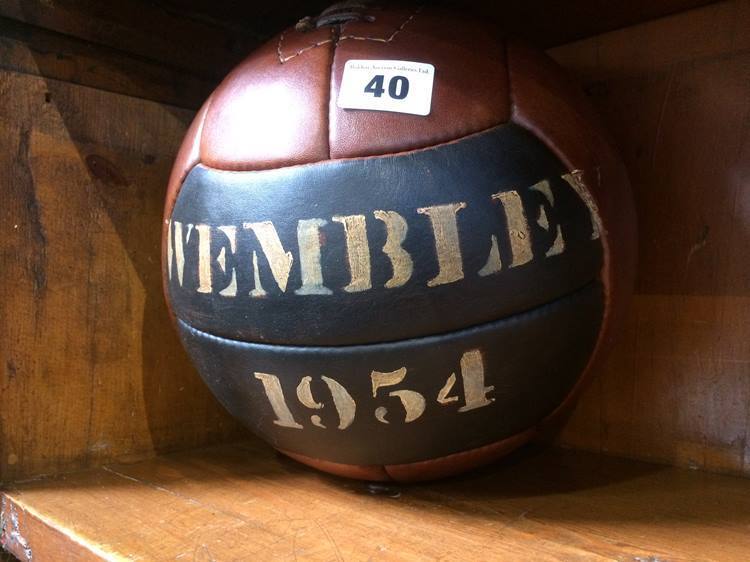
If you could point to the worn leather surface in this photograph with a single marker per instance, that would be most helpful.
(278, 110)
(471, 80)
(278, 107)
(420, 471)
(266, 113)
(187, 158)
(532, 360)
(469, 171)
(548, 102)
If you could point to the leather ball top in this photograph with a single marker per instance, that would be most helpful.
(278, 108)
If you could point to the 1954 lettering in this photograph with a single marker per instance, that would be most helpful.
(476, 394)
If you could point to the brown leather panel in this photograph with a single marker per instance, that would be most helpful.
(458, 462)
(548, 103)
(187, 157)
(432, 469)
(357, 472)
(470, 89)
(272, 110)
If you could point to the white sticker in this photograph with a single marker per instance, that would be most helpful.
(387, 85)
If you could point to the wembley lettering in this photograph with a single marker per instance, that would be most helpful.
(217, 273)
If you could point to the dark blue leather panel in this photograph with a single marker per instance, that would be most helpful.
(469, 171)
(531, 361)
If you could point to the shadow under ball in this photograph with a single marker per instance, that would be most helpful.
(391, 296)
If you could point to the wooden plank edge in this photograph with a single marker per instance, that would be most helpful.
(142, 28)
(21, 527)
(33, 50)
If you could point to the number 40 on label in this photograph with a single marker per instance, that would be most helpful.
(384, 384)
(398, 87)
(387, 85)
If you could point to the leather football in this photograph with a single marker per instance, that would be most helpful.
(397, 243)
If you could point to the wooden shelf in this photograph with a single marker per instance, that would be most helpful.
(244, 502)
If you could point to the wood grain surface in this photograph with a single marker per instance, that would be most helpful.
(90, 366)
(242, 502)
(675, 93)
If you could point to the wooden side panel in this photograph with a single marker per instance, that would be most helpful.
(90, 366)
(676, 96)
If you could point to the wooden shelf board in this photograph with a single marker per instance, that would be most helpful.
(244, 502)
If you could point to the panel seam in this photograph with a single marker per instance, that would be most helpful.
(511, 102)
(335, 40)
(198, 162)
(369, 156)
(335, 31)
(538, 310)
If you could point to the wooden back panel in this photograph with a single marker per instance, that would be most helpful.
(675, 94)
